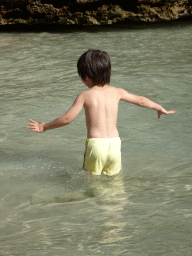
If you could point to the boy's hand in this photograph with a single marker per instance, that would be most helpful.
(163, 111)
(36, 127)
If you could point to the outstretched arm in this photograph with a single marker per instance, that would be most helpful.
(143, 102)
(66, 119)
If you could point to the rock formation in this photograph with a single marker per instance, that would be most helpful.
(92, 12)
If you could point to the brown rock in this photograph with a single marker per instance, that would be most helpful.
(92, 12)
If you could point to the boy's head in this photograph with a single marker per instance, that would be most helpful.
(96, 65)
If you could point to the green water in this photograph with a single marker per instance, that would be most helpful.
(48, 206)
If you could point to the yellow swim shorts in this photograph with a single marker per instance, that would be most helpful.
(102, 155)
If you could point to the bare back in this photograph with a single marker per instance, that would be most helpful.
(101, 108)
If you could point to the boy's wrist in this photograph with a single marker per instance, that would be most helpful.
(44, 128)
(160, 108)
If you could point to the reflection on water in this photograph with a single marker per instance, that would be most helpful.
(48, 206)
(83, 186)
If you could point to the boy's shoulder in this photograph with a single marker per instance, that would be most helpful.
(101, 89)
(95, 91)
(111, 91)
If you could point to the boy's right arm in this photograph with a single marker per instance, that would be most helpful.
(66, 119)
(143, 102)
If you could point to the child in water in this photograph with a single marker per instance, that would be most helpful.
(103, 145)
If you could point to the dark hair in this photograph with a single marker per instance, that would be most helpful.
(96, 65)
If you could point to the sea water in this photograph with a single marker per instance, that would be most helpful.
(48, 205)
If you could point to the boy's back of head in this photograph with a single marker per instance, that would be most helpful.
(96, 65)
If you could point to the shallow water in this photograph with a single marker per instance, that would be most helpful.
(48, 206)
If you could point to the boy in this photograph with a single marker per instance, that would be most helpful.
(103, 145)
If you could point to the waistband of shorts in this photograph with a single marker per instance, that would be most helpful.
(107, 139)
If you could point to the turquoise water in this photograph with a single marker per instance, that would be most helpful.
(48, 206)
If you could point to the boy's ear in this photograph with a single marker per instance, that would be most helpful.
(84, 80)
(88, 82)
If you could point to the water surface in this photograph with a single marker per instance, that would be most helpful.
(48, 206)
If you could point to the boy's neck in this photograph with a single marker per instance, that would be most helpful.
(99, 86)
(88, 82)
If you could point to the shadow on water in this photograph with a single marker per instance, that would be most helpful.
(59, 28)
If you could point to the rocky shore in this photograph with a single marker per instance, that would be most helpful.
(92, 12)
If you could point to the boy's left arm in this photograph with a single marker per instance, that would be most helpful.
(66, 119)
(143, 102)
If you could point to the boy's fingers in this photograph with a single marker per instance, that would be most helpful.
(171, 112)
(165, 112)
(33, 129)
(30, 124)
(33, 122)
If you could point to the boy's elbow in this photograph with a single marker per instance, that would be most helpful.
(67, 121)
(64, 121)
(141, 101)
